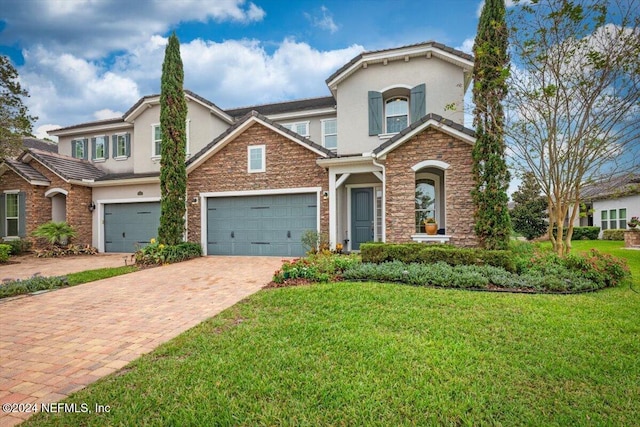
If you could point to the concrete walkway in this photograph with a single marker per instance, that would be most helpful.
(26, 266)
(56, 343)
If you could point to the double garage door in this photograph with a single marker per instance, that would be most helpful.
(129, 226)
(260, 225)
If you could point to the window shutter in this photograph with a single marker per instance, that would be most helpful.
(375, 113)
(85, 142)
(106, 147)
(22, 217)
(2, 217)
(127, 139)
(93, 148)
(114, 143)
(73, 148)
(418, 103)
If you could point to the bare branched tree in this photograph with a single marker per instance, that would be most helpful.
(574, 98)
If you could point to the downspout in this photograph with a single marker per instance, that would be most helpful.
(384, 196)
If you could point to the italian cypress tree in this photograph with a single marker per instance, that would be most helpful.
(492, 223)
(173, 173)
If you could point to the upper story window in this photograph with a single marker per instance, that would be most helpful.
(396, 108)
(330, 134)
(396, 113)
(156, 139)
(79, 148)
(121, 146)
(301, 128)
(256, 158)
(99, 148)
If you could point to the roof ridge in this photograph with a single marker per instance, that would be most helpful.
(311, 98)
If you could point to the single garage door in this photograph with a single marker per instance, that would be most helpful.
(260, 225)
(129, 226)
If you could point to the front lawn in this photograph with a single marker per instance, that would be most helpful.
(387, 354)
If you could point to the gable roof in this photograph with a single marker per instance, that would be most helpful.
(240, 126)
(67, 168)
(613, 187)
(138, 107)
(424, 49)
(297, 105)
(430, 120)
(26, 172)
(40, 144)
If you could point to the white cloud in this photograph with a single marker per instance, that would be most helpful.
(467, 45)
(106, 113)
(41, 131)
(324, 21)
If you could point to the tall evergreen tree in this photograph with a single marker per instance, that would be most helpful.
(529, 213)
(492, 223)
(173, 172)
(15, 120)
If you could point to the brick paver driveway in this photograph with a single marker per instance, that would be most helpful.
(55, 343)
(28, 265)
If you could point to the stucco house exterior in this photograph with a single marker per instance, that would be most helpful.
(385, 150)
(610, 203)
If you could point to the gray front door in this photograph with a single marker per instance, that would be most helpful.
(130, 226)
(361, 217)
(260, 225)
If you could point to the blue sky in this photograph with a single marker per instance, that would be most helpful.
(84, 60)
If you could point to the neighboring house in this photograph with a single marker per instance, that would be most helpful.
(367, 163)
(611, 202)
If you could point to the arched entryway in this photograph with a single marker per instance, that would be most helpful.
(58, 198)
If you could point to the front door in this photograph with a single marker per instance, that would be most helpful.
(361, 217)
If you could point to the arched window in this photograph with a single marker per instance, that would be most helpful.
(396, 113)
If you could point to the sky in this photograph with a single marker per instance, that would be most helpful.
(86, 60)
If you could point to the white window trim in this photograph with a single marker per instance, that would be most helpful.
(154, 155)
(7, 217)
(263, 150)
(322, 127)
(187, 131)
(386, 101)
(157, 156)
(437, 199)
(124, 156)
(295, 124)
(104, 148)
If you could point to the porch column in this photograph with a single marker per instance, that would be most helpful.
(333, 210)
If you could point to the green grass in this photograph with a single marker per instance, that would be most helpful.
(100, 273)
(382, 354)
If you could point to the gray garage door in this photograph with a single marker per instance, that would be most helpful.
(128, 226)
(260, 225)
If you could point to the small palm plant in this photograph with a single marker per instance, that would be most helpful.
(56, 233)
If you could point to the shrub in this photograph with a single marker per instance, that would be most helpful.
(58, 251)
(314, 242)
(430, 254)
(613, 234)
(33, 284)
(585, 233)
(19, 246)
(5, 250)
(316, 268)
(56, 233)
(603, 269)
(158, 254)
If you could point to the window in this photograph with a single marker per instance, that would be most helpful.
(425, 202)
(622, 218)
(301, 128)
(613, 219)
(256, 155)
(156, 141)
(603, 220)
(79, 148)
(99, 145)
(121, 146)
(396, 112)
(330, 134)
(11, 216)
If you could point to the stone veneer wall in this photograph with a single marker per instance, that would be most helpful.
(632, 238)
(38, 206)
(288, 165)
(400, 186)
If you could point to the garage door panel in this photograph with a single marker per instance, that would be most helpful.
(130, 226)
(261, 225)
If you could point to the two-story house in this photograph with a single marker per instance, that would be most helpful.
(370, 162)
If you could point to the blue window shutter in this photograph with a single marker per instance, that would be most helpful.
(127, 139)
(106, 147)
(375, 113)
(417, 103)
(93, 148)
(2, 217)
(22, 214)
(85, 142)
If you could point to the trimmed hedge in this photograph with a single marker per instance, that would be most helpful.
(19, 246)
(32, 284)
(430, 254)
(614, 234)
(158, 254)
(5, 250)
(585, 233)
